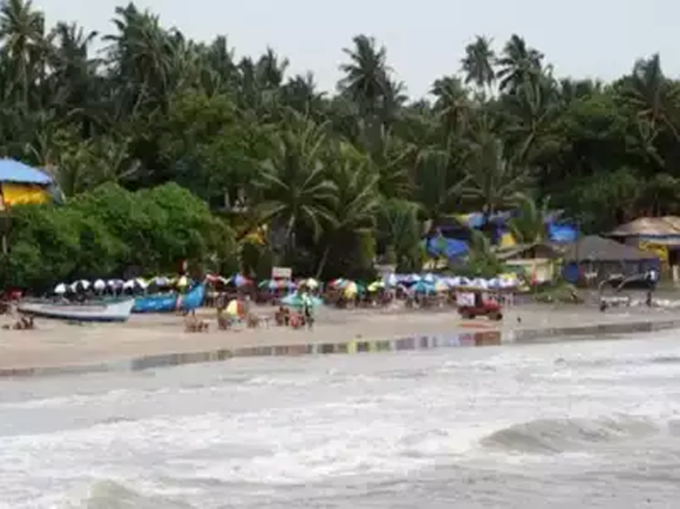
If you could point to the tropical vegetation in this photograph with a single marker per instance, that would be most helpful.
(332, 181)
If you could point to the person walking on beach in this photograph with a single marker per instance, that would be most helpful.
(307, 306)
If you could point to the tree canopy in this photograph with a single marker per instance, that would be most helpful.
(337, 178)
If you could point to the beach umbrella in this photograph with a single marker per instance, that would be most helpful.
(129, 284)
(441, 286)
(296, 300)
(376, 285)
(161, 281)
(412, 278)
(142, 283)
(83, 284)
(183, 282)
(235, 308)
(391, 280)
(351, 289)
(99, 285)
(479, 283)
(241, 281)
(115, 283)
(494, 283)
(60, 289)
(281, 284)
(423, 287)
(338, 283)
(311, 283)
(429, 277)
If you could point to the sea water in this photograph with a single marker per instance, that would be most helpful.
(561, 425)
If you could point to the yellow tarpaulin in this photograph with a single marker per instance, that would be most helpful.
(22, 194)
(508, 240)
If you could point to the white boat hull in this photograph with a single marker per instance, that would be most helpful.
(87, 312)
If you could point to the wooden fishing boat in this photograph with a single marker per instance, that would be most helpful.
(170, 302)
(91, 311)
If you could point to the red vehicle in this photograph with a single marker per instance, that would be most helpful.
(481, 307)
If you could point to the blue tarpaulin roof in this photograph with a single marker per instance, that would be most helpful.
(442, 246)
(20, 173)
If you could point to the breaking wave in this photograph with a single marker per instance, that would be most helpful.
(554, 436)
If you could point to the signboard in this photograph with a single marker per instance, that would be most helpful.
(282, 273)
(657, 249)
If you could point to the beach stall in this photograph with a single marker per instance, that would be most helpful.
(21, 184)
(594, 259)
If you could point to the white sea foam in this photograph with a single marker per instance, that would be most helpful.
(336, 431)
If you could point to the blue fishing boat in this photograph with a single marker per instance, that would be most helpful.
(170, 302)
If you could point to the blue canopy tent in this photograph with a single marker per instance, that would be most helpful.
(445, 247)
(20, 173)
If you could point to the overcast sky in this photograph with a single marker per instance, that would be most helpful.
(424, 38)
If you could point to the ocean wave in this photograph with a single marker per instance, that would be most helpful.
(554, 436)
(109, 494)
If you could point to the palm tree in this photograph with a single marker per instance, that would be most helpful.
(22, 32)
(650, 94)
(356, 204)
(492, 179)
(300, 93)
(452, 103)
(478, 63)
(518, 64)
(366, 74)
(529, 225)
(398, 233)
(297, 193)
(437, 185)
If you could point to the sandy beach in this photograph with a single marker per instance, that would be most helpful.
(55, 344)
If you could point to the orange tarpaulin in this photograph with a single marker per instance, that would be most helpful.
(20, 194)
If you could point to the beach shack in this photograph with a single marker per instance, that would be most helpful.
(539, 261)
(20, 184)
(594, 259)
(657, 235)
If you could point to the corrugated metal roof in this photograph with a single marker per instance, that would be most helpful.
(20, 173)
(649, 226)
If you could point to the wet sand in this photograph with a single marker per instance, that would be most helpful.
(56, 344)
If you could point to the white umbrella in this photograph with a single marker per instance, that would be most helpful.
(479, 283)
(129, 285)
(161, 281)
(142, 283)
(183, 282)
(83, 283)
(60, 289)
(99, 285)
(115, 283)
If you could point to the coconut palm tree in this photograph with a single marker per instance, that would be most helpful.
(478, 63)
(529, 225)
(297, 195)
(493, 179)
(22, 35)
(356, 203)
(366, 74)
(452, 104)
(518, 64)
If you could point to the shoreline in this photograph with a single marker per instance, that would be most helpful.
(149, 342)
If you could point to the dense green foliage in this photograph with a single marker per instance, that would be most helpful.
(113, 232)
(339, 178)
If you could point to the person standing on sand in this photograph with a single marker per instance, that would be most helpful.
(307, 308)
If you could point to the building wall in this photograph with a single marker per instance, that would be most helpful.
(542, 270)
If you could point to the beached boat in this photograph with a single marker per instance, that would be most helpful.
(91, 311)
(170, 302)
